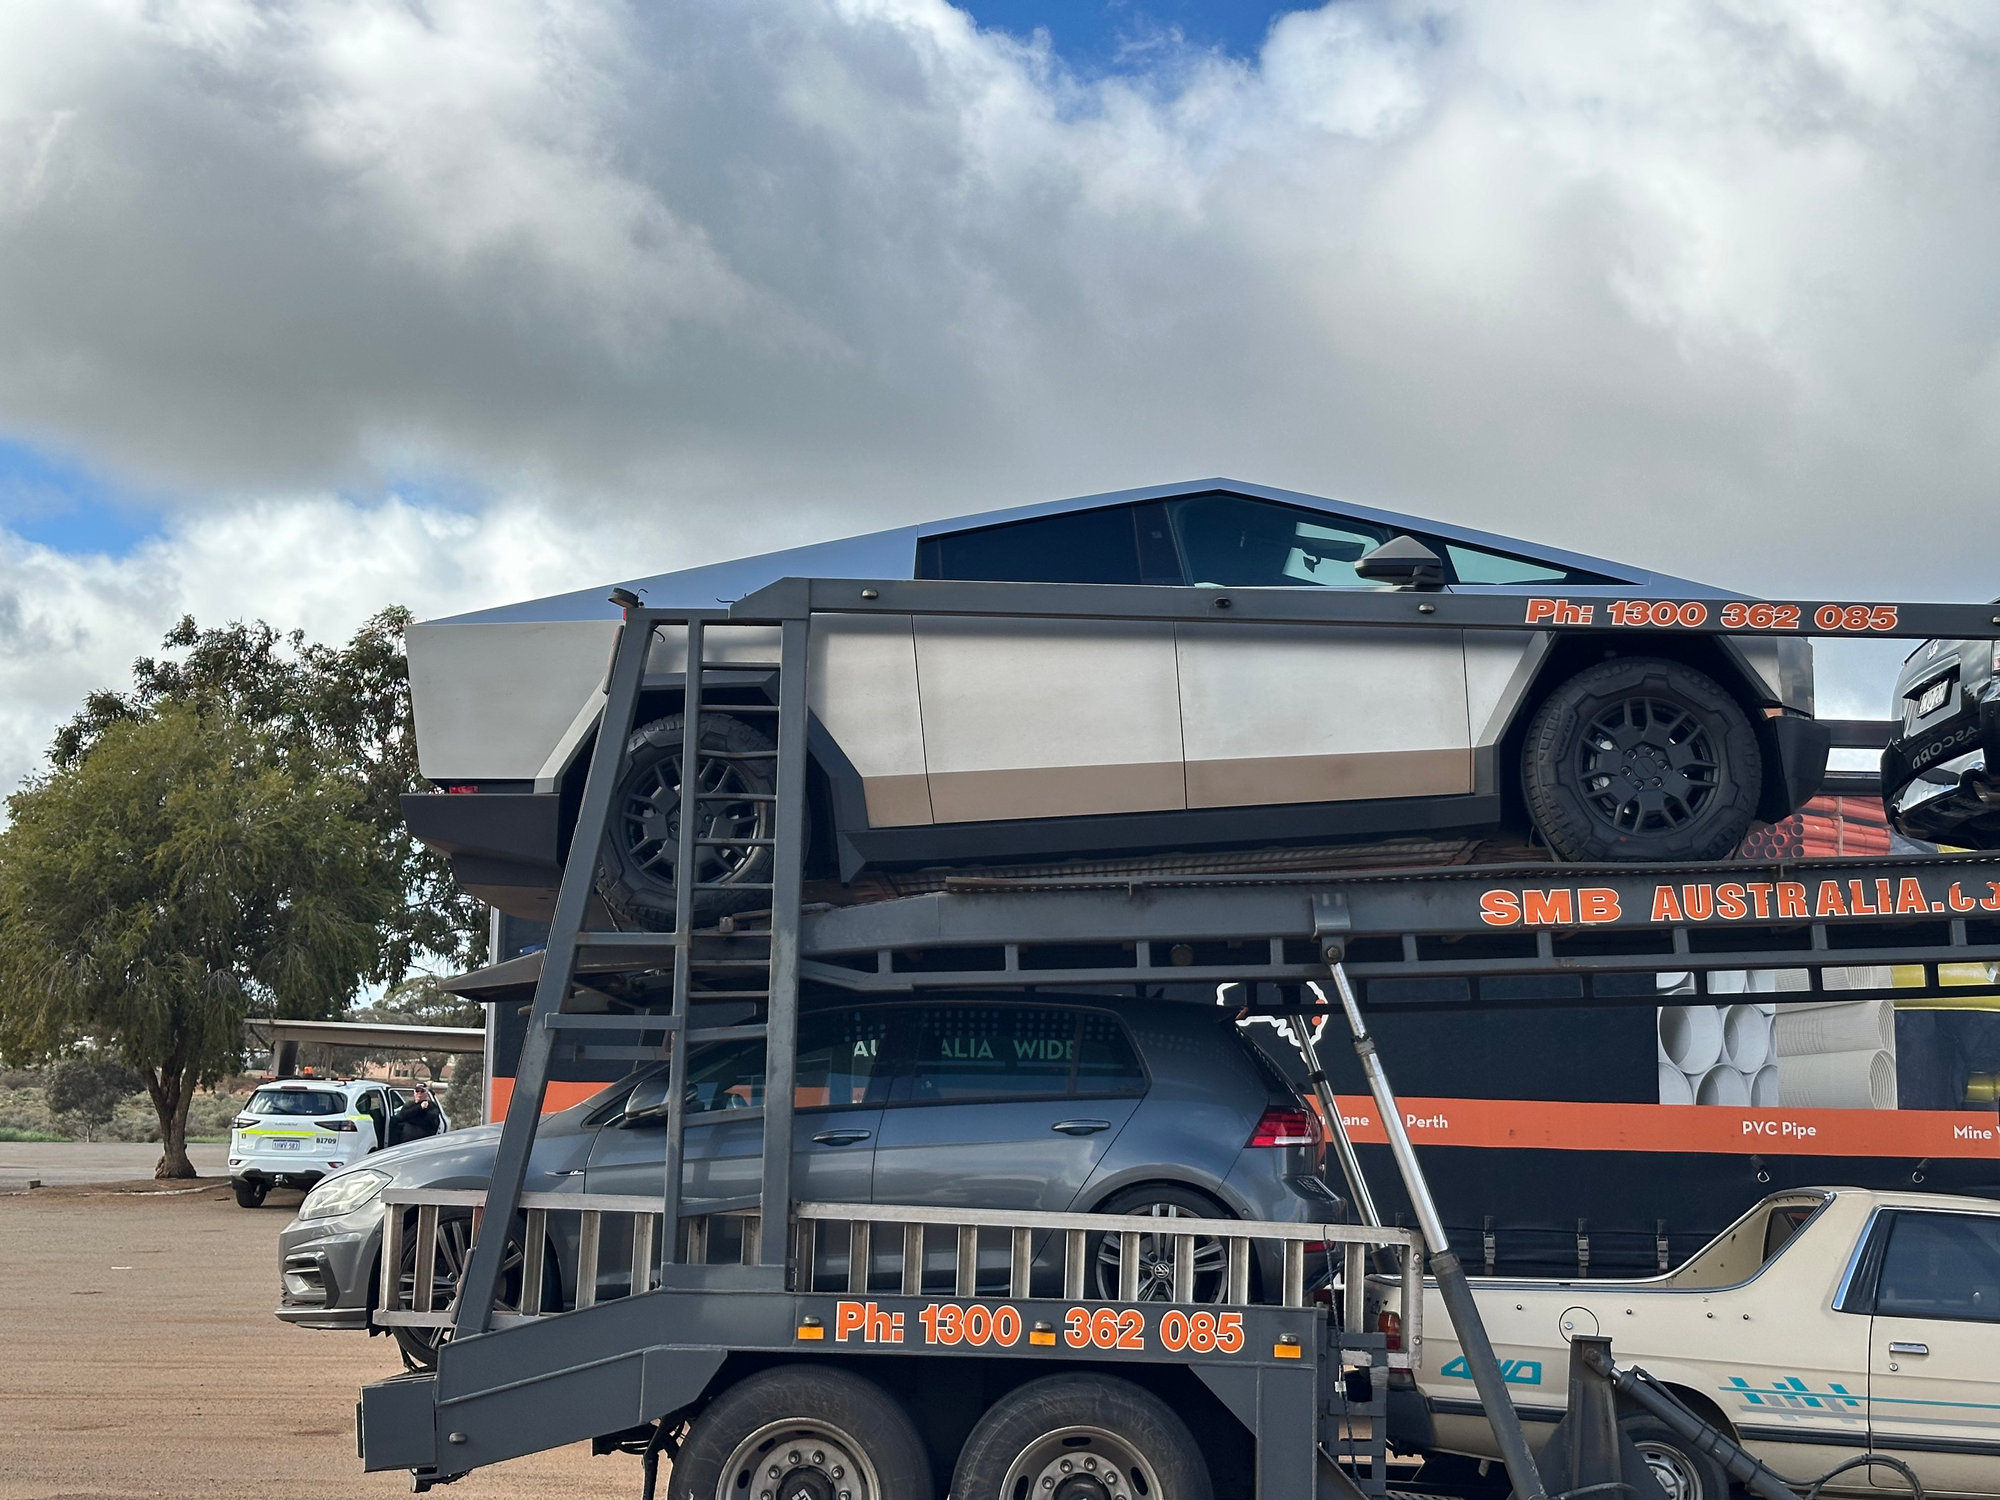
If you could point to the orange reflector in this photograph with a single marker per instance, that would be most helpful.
(1287, 1347)
(1045, 1339)
(812, 1328)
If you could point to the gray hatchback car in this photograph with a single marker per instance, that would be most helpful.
(1056, 1102)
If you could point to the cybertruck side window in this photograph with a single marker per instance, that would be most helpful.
(1117, 544)
(1477, 565)
(1232, 541)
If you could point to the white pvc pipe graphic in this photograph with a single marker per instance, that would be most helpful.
(1691, 1037)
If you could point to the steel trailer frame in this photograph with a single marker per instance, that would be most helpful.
(513, 1380)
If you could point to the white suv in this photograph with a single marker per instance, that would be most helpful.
(293, 1133)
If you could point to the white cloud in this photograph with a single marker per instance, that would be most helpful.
(1707, 284)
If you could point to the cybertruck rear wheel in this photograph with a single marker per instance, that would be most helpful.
(639, 865)
(1642, 759)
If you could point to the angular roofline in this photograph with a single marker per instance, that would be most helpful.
(892, 554)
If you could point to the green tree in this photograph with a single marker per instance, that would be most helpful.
(184, 870)
(85, 1092)
(345, 707)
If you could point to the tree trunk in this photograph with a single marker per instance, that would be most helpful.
(172, 1091)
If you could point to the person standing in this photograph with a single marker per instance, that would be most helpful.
(419, 1118)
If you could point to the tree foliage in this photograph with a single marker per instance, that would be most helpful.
(344, 708)
(180, 867)
(85, 1092)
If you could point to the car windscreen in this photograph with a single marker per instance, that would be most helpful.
(296, 1102)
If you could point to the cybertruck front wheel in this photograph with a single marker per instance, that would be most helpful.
(639, 865)
(1642, 759)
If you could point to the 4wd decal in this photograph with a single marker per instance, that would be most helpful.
(1513, 1371)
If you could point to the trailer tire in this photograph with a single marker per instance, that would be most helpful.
(249, 1194)
(638, 863)
(1643, 759)
(806, 1421)
(1682, 1472)
(1097, 1424)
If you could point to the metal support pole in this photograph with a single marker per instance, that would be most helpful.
(481, 1283)
(1452, 1285)
(781, 1014)
(1343, 1144)
(686, 864)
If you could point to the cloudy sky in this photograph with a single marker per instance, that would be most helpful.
(309, 306)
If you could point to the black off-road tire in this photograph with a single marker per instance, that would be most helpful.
(1111, 1424)
(1642, 759)
(1683, 1472)
(805, 1421)
(249, 1194)
(638, 865)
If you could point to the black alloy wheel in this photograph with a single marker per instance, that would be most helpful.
(639, 864)
(1643, 759)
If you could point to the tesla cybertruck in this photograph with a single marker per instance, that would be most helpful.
(1028, 740)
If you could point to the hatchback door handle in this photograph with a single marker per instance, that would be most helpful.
(1909, 1348)
(1081, 1127)
(839, 1137)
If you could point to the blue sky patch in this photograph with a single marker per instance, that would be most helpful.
(1109, 36)
(59, 504)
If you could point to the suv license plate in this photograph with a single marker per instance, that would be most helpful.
(1934, 696)
(283, 1145)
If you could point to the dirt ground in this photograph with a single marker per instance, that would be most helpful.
(139, 1357)
(64, 1163)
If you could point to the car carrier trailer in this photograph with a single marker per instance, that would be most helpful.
(811, 1345)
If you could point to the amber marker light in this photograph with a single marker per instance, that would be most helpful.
(1287, 1347)
(1043, 1334)
(811, 1328)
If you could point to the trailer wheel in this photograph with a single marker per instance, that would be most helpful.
(249, 1194)
(803, 1432)
(1683, 1473)
(1639, 758)
(638, 865)
(1081, 1437)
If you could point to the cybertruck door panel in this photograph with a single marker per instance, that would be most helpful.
(1048, 718)
(863, 688)
(493, 700)
(1280, 713)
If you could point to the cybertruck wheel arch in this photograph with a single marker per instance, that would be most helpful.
(1553, 660)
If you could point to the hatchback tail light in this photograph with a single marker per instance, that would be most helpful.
(1390, 1326)
(1286, 1125)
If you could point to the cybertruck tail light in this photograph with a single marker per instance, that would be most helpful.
(1286, 1125)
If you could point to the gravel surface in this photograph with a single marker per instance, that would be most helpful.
(141, 1359)
(60, 1163)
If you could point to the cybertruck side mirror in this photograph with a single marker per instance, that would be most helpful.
(1404, 562)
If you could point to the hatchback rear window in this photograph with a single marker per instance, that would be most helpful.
(296, 1102)
(1018, 1052)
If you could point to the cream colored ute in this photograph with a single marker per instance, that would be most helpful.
(1825, 1324)
(956, 737)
